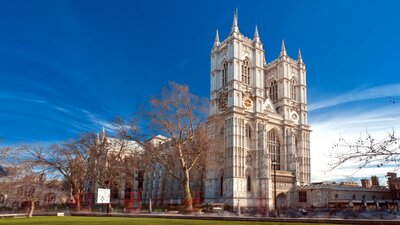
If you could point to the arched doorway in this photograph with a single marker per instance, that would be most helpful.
(281, 201)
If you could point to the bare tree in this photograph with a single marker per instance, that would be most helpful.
(66, 161)
(89, 158)
(367, 151)
(24, 180)
(109, 159)
(181, 117)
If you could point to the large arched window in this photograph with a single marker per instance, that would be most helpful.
(273, 91)
(224, 74)
(293, 89)
(274, 147)
(246, 72)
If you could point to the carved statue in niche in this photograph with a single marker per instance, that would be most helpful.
(249, 159)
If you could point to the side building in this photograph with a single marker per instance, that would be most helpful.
(350, 195)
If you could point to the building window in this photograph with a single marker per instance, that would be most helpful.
(248, 132)
(115, 192)
(49, 198)
(354, 196)
(222, 135)
(273, 91)
(248, 135)
(274, 147)
(293, 89)
(2, 199)
(221, 185)
(246, 72)
(248, 183)
(224, 74)
(302, 196)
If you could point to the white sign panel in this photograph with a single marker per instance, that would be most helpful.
(103, 195)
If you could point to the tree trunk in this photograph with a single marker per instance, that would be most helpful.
(78, 200)
(187, 195)
(31, 209)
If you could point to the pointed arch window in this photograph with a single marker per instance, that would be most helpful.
(274, 147)
(273, 91)
(248, 181)
(224, 74)
(293, 95)
(246, 72)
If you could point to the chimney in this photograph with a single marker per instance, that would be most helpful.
(365, 183)
(375, 181)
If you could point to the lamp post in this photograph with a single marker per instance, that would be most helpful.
(275, 163)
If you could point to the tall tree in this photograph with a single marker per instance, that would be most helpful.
(181, 117)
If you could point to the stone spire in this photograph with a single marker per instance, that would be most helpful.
(299, 58)
(256, 37)
(283, 49)
(235, 27)
(216, 41)
(103, 134)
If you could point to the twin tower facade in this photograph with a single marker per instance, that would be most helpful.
(264, 108)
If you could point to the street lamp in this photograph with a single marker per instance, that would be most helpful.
(275, 163)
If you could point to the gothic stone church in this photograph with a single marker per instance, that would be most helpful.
(264, 106)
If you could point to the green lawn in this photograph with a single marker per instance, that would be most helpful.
(74, 220)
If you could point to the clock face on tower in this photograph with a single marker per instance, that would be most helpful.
(223, 102)
(247, 103)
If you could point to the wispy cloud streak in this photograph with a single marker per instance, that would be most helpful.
(27, 97)
(358, 95)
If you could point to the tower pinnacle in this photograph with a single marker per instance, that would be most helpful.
(216, 41)
(235, 27)
(256, 37)
(283, 49)
(299, 58)
(103, 134)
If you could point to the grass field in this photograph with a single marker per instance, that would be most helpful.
(73, 220)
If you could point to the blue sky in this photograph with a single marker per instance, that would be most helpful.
(68, 67)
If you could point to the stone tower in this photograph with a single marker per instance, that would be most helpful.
(264, 106)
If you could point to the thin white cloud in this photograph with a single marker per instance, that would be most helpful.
(94, 118)
(358, 95)
(27, 97)
(89, 118)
